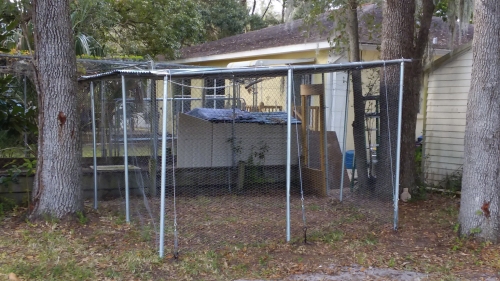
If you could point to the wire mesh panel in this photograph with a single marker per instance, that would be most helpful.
(124, 138)
(371, 145)
(218, 158)
(228, 160)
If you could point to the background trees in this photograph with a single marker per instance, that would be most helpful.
(135, 27)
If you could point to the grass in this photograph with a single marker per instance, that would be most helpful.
(100, 244)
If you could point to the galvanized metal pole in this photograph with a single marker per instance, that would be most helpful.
(94, 146)
(163, 166)
(125, 149)
(26, 149)
(288, 150)
(398, 148)
(103, 123)
(325, 137)
(344, 138)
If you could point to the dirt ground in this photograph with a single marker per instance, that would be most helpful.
(234, 237)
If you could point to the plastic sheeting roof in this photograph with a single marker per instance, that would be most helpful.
(239, 116)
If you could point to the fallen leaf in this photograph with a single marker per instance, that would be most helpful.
(13, 277)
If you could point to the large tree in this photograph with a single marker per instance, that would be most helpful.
(405, 32)
(480, 200)
(402, 37)
(352, 28)
(57, 184)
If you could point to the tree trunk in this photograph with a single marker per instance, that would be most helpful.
(398, 27)
(398, 41)
(57, 185)
(283, 11)
(359, 105)
(411, 99)
(479, 209)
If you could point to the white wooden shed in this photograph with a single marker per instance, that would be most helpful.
(447, 89)
(205, 138)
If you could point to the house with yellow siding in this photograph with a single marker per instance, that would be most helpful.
(294, 43)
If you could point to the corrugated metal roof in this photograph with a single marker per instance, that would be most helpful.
(144, 73)
(194, 73)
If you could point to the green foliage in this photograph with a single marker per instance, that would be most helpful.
(256, 22)
(312, 11)
(132, 27)
(15, 117)
(222, 18)
(135, 27)
(82, 219)
(420, 191)
(442, 10)
(254, 172)
(475, 230)
(12, 176)
(453, 181)
(114, 57)
(154, 27)
(91, 22)
(227, 18)
(7, 27)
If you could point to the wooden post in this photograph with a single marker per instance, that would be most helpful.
(241, 175)
(314, 178)
(305, 121)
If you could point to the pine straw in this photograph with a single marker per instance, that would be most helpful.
(229, 237)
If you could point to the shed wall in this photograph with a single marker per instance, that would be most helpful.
(447, 94)
(206, 144)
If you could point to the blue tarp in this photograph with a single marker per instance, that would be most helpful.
(239, 116)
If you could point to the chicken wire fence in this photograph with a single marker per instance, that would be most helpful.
(211, 157)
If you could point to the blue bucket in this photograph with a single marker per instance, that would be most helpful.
(349, 159)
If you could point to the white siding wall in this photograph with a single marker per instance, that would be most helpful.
(335, 103)
(447, 94)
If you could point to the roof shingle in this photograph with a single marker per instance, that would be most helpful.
(296, 32)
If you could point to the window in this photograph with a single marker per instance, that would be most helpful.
(298, 80)
(182, 95)
(214, 93)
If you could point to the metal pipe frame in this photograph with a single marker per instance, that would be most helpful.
(163, 168)
(125, 151)
(288, 150)
(325, 136)
(26, 149)
(398, 147)
(344, 139)
(242, 72)
(103, 123)
(94, 145)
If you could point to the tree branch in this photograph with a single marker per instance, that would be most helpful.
(268, 5)
(425, 24)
